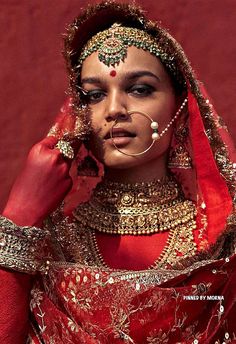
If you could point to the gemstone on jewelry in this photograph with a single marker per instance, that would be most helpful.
(2, 242)
(127, 199)
(110, 280)
(141, 221)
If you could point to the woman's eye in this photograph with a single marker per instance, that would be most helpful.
(94, 96)
(141, 90)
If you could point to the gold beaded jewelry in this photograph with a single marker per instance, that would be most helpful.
(136, 209)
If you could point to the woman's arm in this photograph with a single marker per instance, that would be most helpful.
(38, 190)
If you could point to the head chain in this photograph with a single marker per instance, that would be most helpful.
(112, 45)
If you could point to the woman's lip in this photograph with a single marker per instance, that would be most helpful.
(119, 133)
(120, 140)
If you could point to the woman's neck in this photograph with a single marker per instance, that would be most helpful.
(147, 172)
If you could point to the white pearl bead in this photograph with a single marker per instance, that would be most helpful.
(155, 136)
(154, 125)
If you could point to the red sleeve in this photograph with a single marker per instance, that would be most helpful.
(14, 300)
(14, 306)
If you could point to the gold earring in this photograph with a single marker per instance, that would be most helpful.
(179, 156)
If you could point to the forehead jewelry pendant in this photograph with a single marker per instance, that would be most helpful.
(114, 49)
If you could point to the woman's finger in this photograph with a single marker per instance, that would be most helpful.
(49, 141)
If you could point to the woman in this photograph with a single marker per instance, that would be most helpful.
(148, 257)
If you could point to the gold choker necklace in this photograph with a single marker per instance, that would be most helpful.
(136, 209)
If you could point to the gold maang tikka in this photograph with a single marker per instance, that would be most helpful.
(112, 45)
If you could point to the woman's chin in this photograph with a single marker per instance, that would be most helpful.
(122, 157)
(118, 160)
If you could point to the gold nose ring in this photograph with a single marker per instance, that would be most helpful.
(153, 126)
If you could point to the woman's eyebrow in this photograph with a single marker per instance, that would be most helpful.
(138, 74)
(91, 80)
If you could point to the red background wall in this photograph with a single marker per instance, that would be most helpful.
(33, 77)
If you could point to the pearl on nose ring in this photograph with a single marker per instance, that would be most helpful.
(155, 135)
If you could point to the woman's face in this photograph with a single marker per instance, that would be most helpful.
(141, 84)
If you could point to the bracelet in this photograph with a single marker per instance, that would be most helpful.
(23, 249)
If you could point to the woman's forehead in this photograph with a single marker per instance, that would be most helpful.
(135, 60)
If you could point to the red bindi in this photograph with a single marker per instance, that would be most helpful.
(113, 73)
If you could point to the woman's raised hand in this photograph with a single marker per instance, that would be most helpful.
(42, 184)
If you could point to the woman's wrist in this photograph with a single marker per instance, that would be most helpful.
(23, 248)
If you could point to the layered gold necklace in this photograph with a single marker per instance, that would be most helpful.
(136, 209)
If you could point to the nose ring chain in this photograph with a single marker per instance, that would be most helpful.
(154, 126)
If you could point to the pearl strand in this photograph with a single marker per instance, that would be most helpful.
(154, 125)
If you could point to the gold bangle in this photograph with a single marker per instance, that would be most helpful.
(23, 249)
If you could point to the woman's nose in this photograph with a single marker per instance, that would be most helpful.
(116, 107)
